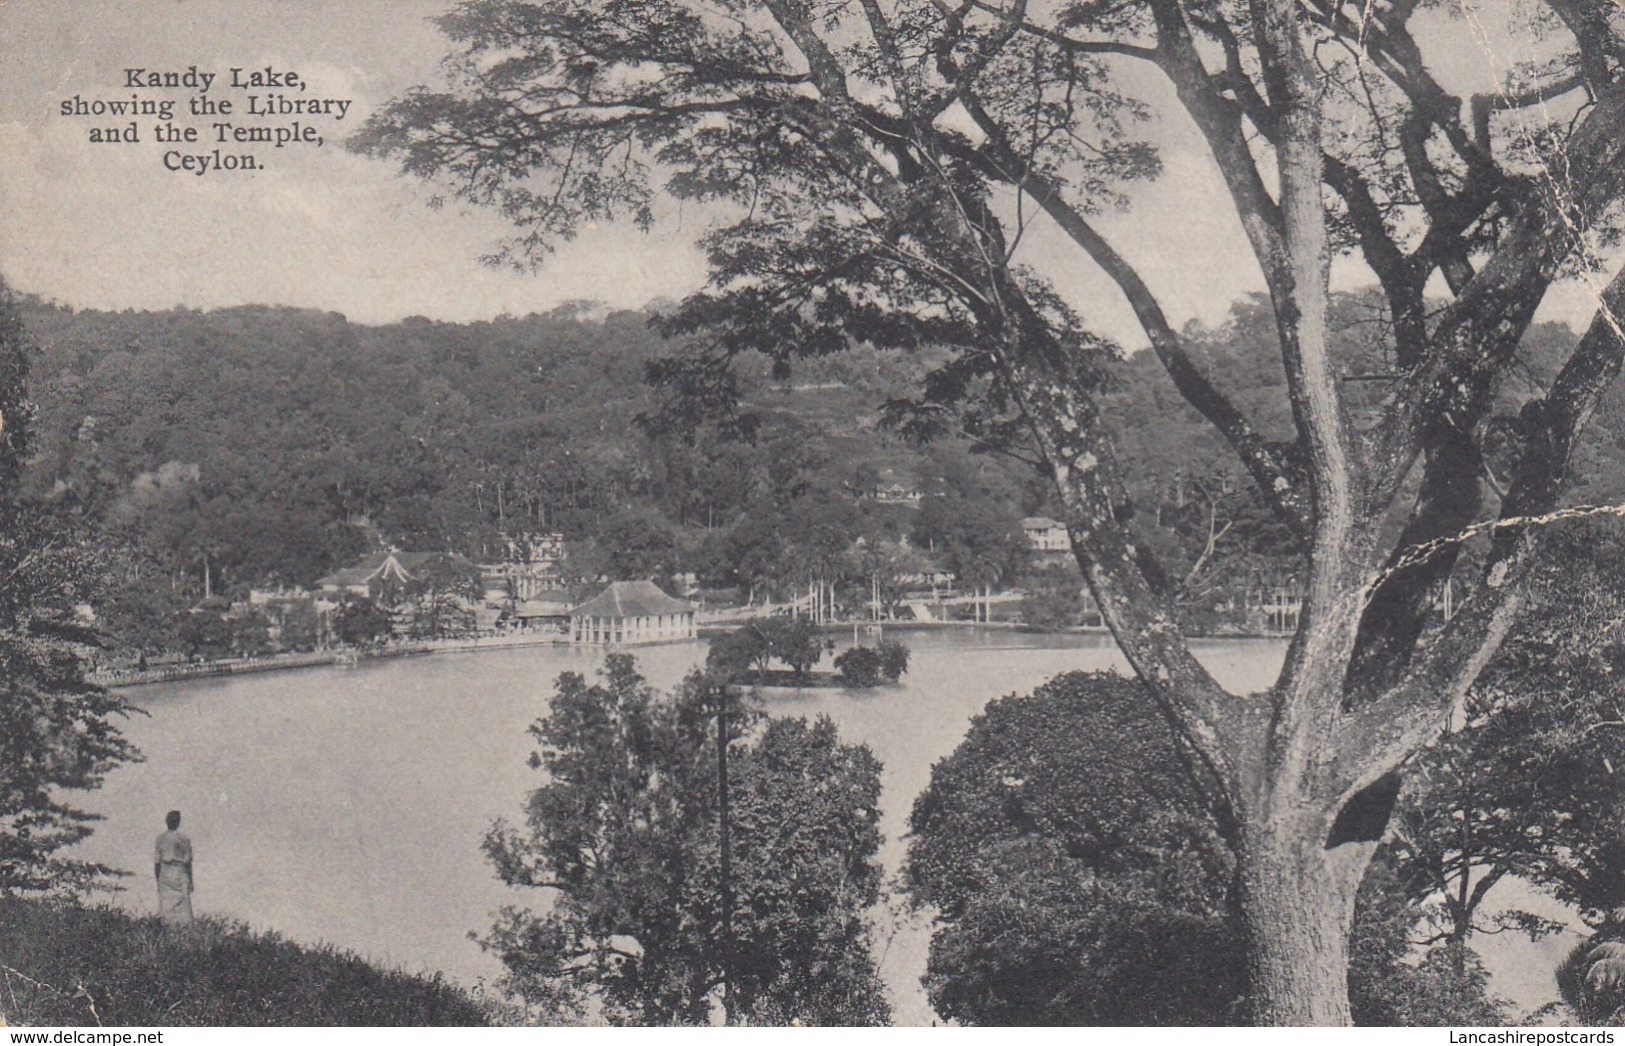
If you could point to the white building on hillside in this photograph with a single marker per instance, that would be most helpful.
(1045, 534)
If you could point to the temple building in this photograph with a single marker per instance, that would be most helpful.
(383, 570)
(632, 612)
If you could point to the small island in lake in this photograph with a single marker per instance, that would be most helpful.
(745, 656)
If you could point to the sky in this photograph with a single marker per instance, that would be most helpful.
(107, 226)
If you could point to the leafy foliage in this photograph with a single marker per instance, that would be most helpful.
(760, 641)
(1076, 875)
(1391, 984)
(978, 540)
(796, 642)
(1067, 894)
(360, 621)
(272, 446)
(1531, 786)
(439, 594)
(631, 545)
(58, 731)
(1591, 980)
(626, 831)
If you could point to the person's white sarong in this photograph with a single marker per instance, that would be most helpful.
(173, 854)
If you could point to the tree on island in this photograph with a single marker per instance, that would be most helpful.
(762, 640)
(58, 730)
(652, 917)
(875, 166)
(858, 666)
(796, 642)
(862, 666)
(893, 660)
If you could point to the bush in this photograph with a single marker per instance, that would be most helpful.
(860, 666)
(893, 660)
(88, 965)
(863, 666)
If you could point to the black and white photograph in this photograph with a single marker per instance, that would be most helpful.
(572, 514)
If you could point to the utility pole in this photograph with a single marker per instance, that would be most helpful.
(725, 858)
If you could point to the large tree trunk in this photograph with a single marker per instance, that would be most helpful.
(1297, 899)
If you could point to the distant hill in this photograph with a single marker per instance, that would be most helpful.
(260, 445)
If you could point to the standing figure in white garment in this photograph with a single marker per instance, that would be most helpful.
(172, 867)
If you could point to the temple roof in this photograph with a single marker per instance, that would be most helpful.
(399, 566)
(632, 599)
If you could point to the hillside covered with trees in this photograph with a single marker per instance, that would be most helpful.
(262, 447)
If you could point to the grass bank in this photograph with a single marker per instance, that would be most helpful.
(68, 965)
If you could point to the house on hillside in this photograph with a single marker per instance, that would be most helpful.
(530, 567)
(264, 597)
(930, 575)
(891, 490)
(632, 612)
(1045, 534)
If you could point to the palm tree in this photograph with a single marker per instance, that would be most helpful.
(1591, 979)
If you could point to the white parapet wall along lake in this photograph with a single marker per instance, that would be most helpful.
(347, 805)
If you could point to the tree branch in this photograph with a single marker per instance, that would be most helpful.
(1301, 294)
(1046, 377)
(1413, 710)
(1072, 44)
(1401, 283)
(1278, 480)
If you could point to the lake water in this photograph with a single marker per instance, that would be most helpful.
(348, 805)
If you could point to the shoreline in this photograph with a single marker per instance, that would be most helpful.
(125, 677)
(129, 677)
